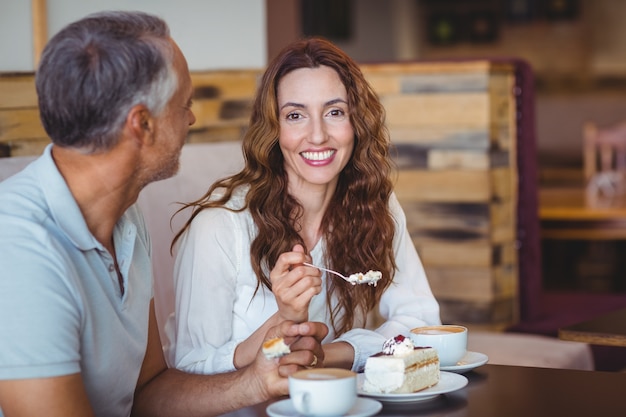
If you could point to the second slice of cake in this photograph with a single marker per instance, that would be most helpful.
(401, 368)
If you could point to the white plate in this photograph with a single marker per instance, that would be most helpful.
(364, 407)
(448, 382)
(468, 362)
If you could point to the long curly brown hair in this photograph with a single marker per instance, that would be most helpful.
(357, 228)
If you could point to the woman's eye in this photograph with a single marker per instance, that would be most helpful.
(293, 116)
(336, 112)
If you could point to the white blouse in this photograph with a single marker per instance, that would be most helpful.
(216, 308)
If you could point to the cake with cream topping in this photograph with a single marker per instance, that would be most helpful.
(401, 368)
(370, 277)
(275, 348)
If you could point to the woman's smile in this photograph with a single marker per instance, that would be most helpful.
(319, 157)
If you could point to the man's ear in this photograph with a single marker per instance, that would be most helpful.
(140, 123)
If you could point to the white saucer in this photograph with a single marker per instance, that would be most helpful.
(468, 362)
(448, 382)
(364, 407)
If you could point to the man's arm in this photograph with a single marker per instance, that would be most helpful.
(53, 397)
(169, 392)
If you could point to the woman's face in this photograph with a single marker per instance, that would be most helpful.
(316, 136)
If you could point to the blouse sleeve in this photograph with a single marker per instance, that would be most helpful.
(199, 332)
(407, 303)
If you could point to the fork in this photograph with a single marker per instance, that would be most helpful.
(328, 270)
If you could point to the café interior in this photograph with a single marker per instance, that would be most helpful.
(508, 119)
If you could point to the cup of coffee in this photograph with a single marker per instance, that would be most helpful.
(449, 340)
(323, 391)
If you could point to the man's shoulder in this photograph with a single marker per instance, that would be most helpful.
(22, 197)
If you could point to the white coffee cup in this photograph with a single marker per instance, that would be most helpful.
(449, 340)
(323, 391)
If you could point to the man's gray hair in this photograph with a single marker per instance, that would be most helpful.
(96, 69)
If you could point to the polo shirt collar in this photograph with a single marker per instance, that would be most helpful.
(63, 207)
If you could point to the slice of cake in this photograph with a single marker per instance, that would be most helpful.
(401, 368)
(275, 348)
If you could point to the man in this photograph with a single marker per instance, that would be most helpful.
(78, 334)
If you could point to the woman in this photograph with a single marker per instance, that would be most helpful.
(316, 187)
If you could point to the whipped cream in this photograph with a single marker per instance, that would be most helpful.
(398, 346)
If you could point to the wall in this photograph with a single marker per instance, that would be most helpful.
(15, 24)
(198, 26)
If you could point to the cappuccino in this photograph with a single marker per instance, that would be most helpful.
(323, 391)
(449, 340)
(323, 374)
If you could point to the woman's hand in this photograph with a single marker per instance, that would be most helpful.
(294, 284)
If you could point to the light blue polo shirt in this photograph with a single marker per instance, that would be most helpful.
(61, 308)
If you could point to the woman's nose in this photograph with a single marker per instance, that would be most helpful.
(318, 132)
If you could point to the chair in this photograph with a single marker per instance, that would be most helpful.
(604, 160)
(200, 165)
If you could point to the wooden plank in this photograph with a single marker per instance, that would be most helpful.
(431, 223)
(28, 147)
(499, 311)
(407, 157)
(503, 107)
(445, 186)
(502, 234)
(471, 217)
(5, 150)
(503, 182)
(20, 124)
(461, 283)
(423, 237)
(207, 112)
(470, 110)
(451, 254)
(505, 283)
(40, 28)
(17, 91)
(212, 112)
(383, 84)
(502, 212)
(472, 284)
(416, 156)
(445, 83)
(221, 133)
(439, 67)
(456, 254)
(442, 137)
(507, 253)
(230, 85)
(455, 159)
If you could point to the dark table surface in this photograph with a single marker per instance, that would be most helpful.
(510, 391)
(608, 329)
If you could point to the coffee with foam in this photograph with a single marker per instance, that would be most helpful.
(449, 340)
